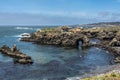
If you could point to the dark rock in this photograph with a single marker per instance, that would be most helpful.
(114, 42)
(16, 54)
(70, 37)
(117, 60)
(66, 39)
(23, 61)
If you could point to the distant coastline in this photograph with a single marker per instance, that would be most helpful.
(99, 24)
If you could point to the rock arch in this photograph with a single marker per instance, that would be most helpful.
(85, 42)
(78, 42)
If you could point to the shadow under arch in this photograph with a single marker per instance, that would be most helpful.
(79, 42)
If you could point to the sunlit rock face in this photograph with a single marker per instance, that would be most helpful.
(61, 36)
(108, 37)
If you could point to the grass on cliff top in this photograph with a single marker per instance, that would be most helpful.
(51, 30)
(58, 29)
(115, 28)
(108, 76)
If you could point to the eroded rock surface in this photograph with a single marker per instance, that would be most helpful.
(17, 56)
(62, 36)
(69, 37)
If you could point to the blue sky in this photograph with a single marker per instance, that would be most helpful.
(58, 12)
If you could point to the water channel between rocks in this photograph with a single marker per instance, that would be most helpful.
(50, 63)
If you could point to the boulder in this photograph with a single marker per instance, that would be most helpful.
(65, 28)
(23, 61)
(16, 54)
(65, 38)
(114, 42)
(117, 60)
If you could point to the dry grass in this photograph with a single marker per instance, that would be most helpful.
(115, 28)
(108, 76)
(51, 30)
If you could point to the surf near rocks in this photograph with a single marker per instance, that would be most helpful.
(61, 36)
(66, 36)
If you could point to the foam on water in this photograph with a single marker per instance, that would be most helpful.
(20, 35)
(24, 28)
(50, 62)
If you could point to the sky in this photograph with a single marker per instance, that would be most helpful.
(58, 12)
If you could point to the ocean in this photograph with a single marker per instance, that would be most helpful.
(50, 62)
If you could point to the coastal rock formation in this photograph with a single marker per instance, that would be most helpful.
(114, 42)
(105, 35)
(71, 37)
(64, 36)
(18, 56)
(63, 39)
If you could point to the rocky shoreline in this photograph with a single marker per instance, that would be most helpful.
(66, 36)
(18, 57)
(109, 75)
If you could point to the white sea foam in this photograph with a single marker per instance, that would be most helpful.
(24, 28)
(20, 35)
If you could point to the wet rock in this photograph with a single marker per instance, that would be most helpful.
(23, 61)
(66, 38)
(25, 35)
(117, 60)
(16, 54)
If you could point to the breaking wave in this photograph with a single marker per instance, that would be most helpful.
(20, 35)
(24, 28)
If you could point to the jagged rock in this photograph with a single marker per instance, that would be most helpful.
(66, 39)
(70, 37)
(106, 35)
(66, 28)
(23, 61)
(16, 54)
(117, 60)
(114, 42)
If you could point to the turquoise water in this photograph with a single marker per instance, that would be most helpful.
(50, 62)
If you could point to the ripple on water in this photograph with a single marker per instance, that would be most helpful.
(53, 63)
(57, 67)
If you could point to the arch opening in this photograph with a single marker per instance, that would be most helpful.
(79, 43)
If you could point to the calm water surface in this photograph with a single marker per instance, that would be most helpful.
(50, 63)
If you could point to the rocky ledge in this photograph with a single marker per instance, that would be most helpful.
(17, 56)
(71, 37)
(61, 36)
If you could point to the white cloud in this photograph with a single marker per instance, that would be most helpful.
(57, 18)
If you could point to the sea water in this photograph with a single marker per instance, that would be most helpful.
(50, 62)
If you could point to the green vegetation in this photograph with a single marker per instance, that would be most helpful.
(108, 76)
(115, 28)
(51, 30)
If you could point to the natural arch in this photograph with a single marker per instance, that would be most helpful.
(78, 42)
